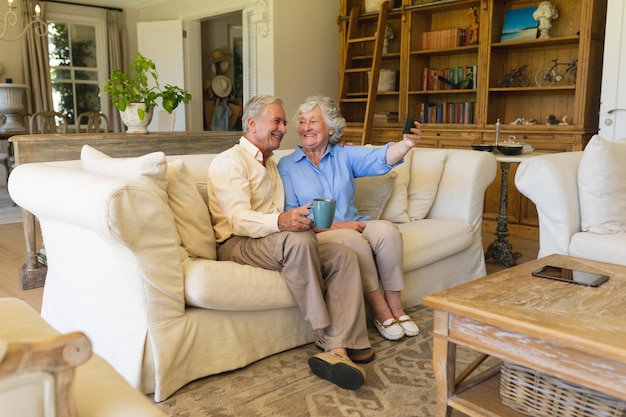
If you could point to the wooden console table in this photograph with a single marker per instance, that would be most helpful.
(58, 147)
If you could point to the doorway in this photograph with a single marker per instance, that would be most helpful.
(222, 71)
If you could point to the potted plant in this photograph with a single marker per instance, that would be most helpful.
(135, 96)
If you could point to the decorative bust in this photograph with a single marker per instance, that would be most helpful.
(546, 12)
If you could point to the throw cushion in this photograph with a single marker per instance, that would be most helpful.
(601, 186)
(191, 214)
(396, 208)
(372, 194)
(150, 169)
(204, 192)
(426, 169)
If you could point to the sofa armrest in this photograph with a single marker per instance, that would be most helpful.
(114, 218)
(551, 183)
(461, 192)
(114, 258)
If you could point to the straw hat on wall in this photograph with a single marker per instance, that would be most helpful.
(220, 61)
(221, 86)
(218, 56)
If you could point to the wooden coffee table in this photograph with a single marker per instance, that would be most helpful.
(569, 331)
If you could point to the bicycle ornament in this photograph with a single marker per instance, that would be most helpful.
(547, 76)
(515, 78)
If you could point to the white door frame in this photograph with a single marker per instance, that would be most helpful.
(612, 122)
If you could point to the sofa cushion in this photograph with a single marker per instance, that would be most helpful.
(426, 169)
(600, 247)
(191, 213)
(202, 187)
(396, 208)
(372, 194)
(226, 285)
(150, 169)
(430, 240)
(601, 186)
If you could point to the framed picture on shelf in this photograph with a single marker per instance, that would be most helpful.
(519, 25)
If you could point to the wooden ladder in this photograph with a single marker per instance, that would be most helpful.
(354, 59)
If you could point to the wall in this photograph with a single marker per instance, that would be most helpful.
(297, 58)
(11, 52)
(305, 54)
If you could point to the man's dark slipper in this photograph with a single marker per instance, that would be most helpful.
(361, 355)
(337, 369)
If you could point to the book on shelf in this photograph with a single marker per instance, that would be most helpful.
(448, 112)
(446, 38)
(432, 78)
(386, 117)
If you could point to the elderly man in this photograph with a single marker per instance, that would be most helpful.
(251, 226)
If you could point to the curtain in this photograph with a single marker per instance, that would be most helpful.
(118, 53)
(35, 62)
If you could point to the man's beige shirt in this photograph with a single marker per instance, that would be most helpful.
(245, 197)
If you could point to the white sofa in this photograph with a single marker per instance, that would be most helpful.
(120, 270)
(580, 199)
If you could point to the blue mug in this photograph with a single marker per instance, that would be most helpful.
(323, 212)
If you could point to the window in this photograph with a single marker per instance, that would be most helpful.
(77, 66)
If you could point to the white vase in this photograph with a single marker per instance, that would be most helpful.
(131, 119)
(11, 104)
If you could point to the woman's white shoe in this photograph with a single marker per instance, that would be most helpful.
(390, 329)
(408, 326)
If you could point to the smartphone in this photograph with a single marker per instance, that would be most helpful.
(573, 276)
(408, 124)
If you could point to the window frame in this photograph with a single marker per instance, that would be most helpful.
(99, 24)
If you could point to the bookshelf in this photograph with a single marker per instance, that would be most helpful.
(578, 33)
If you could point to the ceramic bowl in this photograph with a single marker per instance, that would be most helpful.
(482, 147)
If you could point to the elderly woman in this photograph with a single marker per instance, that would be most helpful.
(321, 168)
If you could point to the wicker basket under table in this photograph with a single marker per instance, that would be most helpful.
(540, 395)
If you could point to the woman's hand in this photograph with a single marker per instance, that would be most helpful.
(354, 225)
(412, 139)
(409, 140)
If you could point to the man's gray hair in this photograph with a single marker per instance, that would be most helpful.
(255, 107)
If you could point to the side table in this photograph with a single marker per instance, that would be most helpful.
(501, 250)
(567, 331)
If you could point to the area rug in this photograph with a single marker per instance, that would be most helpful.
(9, 212)
(399, 382)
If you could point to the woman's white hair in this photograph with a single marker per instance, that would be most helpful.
(330, 113)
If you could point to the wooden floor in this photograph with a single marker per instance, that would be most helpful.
(12, 252)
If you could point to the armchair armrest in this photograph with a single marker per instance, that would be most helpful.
(551, 183)
(47, 364)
